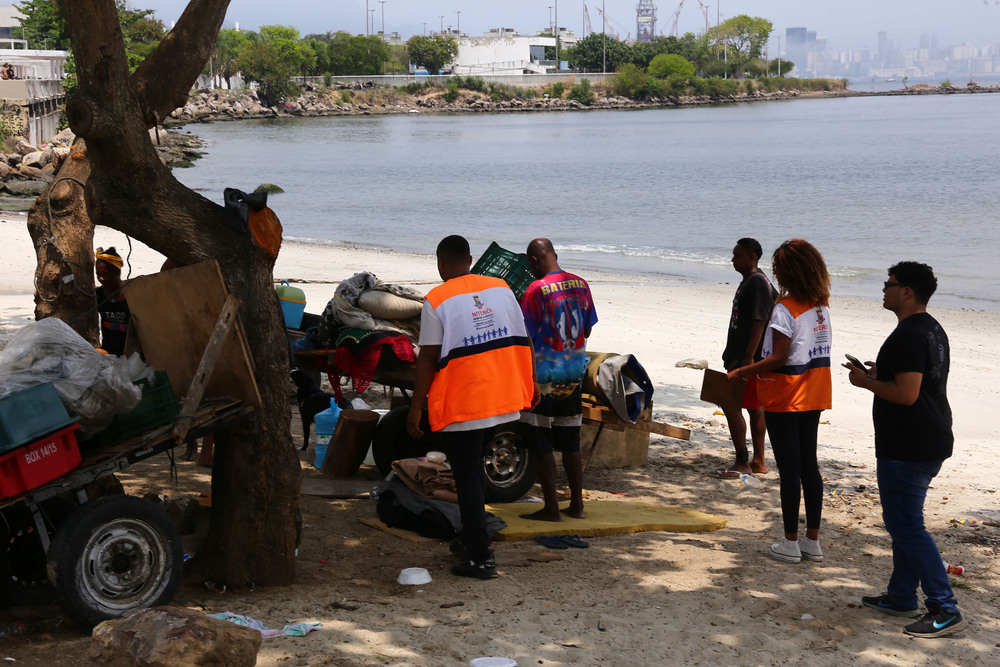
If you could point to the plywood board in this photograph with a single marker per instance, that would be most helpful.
(174, 313)
(716, 388)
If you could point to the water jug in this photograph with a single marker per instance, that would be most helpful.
(326, 423)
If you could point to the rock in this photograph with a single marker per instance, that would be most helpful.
(64, 138)
(23, 147)
(37, 159)
(4, 169)
(268, 187)
(25, 188)
(34, 173)
(172, 637)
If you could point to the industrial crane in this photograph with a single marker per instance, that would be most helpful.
(677, 16)
(607, 22)
(704, 10)
(586, 21)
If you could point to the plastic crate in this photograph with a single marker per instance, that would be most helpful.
(158, 406)
(512, 267)
(42, 461)
(29, 414)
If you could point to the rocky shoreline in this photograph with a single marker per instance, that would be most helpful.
(365, 99)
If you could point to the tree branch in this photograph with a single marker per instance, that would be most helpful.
(164, 79)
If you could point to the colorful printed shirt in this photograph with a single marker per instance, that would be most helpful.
(558, 312)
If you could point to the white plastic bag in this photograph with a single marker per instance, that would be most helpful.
(93, 386)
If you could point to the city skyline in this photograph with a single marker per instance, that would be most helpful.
(846, 24)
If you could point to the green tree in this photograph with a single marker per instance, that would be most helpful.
(631, 81)
(354, 55)
(288, 47)
(670, 65)
(785, 65)
(696, 49)
(433, 52)
(745, 36)
(593, 53)
(644, 52)
(43, 24)
(227, 49)
(262, 64)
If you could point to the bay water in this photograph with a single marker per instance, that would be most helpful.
(663, 192)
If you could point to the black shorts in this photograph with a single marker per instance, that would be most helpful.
(543, 440)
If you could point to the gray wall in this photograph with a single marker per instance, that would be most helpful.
(524, 80)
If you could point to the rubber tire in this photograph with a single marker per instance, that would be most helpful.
(22, 557)
(510, 468)
(114, 555)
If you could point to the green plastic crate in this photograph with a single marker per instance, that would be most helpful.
(512, 267)
(158, 406)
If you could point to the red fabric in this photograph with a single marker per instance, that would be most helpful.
(360, 367)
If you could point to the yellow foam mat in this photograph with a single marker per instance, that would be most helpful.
(604, 517)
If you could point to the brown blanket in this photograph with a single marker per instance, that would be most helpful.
(430, 480)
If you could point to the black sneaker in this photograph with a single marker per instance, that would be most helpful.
(486, 569)
(937, 624)
(883, 603)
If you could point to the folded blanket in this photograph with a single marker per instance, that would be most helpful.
(430, 480)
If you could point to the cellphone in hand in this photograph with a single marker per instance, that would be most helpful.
(856, 362)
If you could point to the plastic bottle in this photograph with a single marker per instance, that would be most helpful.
(957, 570)
(326, 422)
(11, 629)
(750, 480)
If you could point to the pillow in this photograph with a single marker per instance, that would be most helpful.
(388, 306)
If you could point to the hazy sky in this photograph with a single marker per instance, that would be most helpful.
(847, 24)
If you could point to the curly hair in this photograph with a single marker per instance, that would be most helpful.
(801, 272)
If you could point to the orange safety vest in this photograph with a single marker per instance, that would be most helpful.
(804, 382)
(485, 366)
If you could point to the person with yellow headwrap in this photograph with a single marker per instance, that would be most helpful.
(111, 302)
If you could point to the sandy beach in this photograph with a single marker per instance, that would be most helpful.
(651, 598)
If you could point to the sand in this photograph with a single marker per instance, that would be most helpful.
(651, 598)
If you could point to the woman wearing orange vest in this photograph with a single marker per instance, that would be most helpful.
(794, 387)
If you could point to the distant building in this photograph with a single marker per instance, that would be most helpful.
(30, 103)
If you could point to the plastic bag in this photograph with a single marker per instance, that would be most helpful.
(93, 386)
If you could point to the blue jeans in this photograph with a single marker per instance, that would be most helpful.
(916, 560)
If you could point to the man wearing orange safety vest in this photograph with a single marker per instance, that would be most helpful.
(475, 371)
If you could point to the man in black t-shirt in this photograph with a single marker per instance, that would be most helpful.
(751, 311)
(913, 437)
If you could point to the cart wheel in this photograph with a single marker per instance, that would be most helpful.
(510, 467)
(113, 555)
(23, 581)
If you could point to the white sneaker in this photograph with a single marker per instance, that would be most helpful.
(787, 551)
(811, 550)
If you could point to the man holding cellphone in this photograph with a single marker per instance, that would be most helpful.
(751, 311)
(913, 437)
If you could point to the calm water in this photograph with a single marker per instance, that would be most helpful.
(868, 180)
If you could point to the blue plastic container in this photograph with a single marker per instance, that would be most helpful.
(29, 414)
(326, 424)
(293, 304)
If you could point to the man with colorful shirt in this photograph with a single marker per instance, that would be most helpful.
(559, 314)
(475, 371)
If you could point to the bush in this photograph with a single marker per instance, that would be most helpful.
(345, 96)
(327, 79)
(670, 65)
(631, 81)
(474, 83)
(946, 83)
(452, 93)
(557, 89)
(582, 92)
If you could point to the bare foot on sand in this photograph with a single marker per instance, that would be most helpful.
(574, 512)
(543, 515)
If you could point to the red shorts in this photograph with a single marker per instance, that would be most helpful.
(750, 400)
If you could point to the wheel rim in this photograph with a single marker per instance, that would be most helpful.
(505, 461)
(124, 564)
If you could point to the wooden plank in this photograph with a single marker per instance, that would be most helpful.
(716, 388)
(175, 313)
(338, 488)
(612, 421)
(205, 367)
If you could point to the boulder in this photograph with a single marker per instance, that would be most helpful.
(172, 637)
(4, 169)
(25, 188)
(34, 173)
(37, 159)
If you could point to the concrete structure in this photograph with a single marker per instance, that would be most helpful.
(499, 55)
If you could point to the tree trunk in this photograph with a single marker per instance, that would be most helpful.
(64, 240)
(256, 476)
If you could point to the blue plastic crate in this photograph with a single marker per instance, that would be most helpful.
(31, 414)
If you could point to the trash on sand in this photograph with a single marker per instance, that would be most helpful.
(414, 576)
(292, 630)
